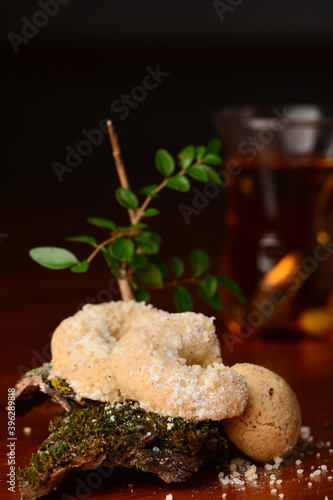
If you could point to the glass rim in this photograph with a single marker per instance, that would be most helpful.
(293, 114)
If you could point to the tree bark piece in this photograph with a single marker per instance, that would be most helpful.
(36, 386)
(91, 434)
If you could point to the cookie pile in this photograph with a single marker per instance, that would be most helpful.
(171, 364)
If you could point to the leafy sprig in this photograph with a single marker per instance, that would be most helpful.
(131, 252)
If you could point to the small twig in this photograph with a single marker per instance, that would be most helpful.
(139, 211)
(100, 246)
(116, 152)
(124, 284)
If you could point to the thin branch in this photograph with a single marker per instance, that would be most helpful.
(100, 246)
(116, 152)
(139, 211)
(124, 284)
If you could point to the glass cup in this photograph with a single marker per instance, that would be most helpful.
(279, 217)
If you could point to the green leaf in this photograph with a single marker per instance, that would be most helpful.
(84, 239)
(210, 284)
(122, 249)
(199, 261)
(214, 146)
(149, 190)
(214, 301)
(126, 198)
(186, 156)
(160, 263)
(139, 260)
(199, 173)
(114, 264)
(233, 287)
(200, 152)
(183, 299)
(180, 183)
(177, 267)
(150, 212)
(213, 159)
(53, 257)
(150, 275)
(105, 223)
(82, 267)
(212, 175)
(142, 295)
(149, 242)
(164, 162)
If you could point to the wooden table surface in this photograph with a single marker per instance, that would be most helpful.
(307, 364)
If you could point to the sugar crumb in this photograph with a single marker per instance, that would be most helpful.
(169, 497)
(251, 471)
(239, 481)
(224, 481)
(27, 431)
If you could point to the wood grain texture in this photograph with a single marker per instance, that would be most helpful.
(306, 364)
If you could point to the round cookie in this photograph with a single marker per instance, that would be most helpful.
(271, 422)
(82, 344)
(172, 366)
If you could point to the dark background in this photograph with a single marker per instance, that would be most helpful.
(66, 78)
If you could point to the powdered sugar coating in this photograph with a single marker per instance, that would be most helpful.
(82, 344)
(172, 366)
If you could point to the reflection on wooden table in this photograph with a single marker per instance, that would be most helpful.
(307, 365)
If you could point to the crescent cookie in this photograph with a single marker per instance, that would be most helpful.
(82, 344)
(172, 366)
(271, 422)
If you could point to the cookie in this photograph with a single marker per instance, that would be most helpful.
(82, 344)
(271, 423)
(172, 366)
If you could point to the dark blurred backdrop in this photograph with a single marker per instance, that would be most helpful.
(68, 64)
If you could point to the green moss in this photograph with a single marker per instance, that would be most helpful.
(60, 385)
(107, 428)
(43, 371)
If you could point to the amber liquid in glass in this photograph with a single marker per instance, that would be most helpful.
(274, 211)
